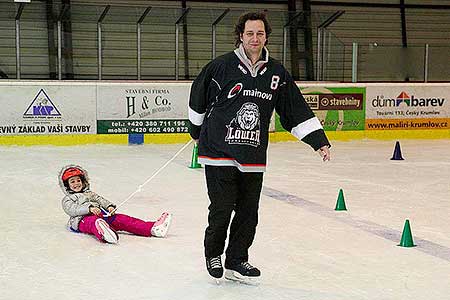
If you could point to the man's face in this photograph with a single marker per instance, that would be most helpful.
(76, 184)
(254, 37)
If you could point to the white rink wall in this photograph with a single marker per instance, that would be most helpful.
(69, 113)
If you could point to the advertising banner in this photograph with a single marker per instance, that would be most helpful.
(47, 109)
(337, 108)
(142, 108)
(407, 107)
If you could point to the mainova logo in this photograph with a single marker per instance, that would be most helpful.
(403, 99)
(257, 94)
(235, 90)
(41, 106)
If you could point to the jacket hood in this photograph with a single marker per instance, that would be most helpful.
(61, 183)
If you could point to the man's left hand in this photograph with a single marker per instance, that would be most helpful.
(324, 152)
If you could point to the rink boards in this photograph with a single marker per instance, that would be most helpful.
(85, 112)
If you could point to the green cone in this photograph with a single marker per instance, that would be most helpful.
(340, 203)
(194, 160)
(407, 240)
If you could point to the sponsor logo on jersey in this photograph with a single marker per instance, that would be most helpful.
(263, 71)
(243, 70)
(235, 90)
(244, 129)
(257, 94)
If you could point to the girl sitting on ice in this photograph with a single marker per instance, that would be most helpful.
(92, 214)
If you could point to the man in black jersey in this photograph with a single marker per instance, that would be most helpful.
(230, 106)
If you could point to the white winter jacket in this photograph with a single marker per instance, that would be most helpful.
(77, 205)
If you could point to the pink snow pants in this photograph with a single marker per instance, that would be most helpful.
(117, 222)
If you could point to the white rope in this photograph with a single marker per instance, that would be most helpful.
(139, 189)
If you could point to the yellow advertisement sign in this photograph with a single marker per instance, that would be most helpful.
(407, 124)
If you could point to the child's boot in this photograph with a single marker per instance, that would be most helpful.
(161, 226)
(107, 234)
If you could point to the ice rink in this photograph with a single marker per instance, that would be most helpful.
(304, 248)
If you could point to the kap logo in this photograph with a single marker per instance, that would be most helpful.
(41, 106)
(237, 88)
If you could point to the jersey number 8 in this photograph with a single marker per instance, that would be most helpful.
(275, 81)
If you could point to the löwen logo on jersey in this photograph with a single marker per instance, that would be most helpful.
(237, 88)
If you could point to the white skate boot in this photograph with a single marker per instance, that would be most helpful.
(108, 235)
(161, 226)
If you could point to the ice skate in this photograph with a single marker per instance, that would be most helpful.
(161, 226)
(214, 267)
(243, 272)
(108, 235)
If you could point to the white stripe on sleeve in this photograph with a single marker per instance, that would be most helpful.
(195, 117)
(305, 128)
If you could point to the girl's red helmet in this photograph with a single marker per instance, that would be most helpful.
(70, 172)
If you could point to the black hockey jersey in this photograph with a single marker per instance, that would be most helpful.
(231, 104)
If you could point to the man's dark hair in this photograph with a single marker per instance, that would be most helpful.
(240, 26)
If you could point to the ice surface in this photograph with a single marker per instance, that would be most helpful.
(304, 248)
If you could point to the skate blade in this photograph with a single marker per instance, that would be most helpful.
(235, 276)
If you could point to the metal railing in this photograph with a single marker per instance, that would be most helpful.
(416, 63)
(144, 43)
(115, 52)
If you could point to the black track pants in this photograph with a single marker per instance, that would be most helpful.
(230, 189)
